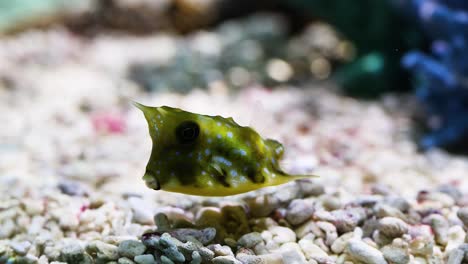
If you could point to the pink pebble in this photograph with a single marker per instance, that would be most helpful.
(83, 208)
(420, 231)
(108, 123)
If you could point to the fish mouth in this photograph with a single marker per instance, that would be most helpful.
(151, 181)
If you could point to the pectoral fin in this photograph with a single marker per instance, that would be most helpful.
(275, 147)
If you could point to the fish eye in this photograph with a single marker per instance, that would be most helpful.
(187, 132)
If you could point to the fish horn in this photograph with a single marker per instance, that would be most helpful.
(142, 107)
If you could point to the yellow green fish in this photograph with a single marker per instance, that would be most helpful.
(209, 155)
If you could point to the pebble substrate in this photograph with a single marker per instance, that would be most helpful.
(73, 151)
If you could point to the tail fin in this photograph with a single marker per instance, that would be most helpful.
(285, 178)
(301, 176)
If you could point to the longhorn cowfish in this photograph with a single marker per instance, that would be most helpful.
(209, 155)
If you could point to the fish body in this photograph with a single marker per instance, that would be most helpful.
(208, 155)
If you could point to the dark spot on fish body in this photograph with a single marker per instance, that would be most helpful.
(220, 174)
(255, 176)
(275, 147)
(223, 179)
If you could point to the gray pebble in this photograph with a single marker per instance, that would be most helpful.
(347, 219)
(206, 254)
(4, 258)
(288, 193)
(204, 236)
(310, 188)
(451, 190)
(395, 255)
(73, 252)
(361, 251)
(167, 241)
(464, 247)
(330, 202)
(367, 200)
(440, 225)
(463, 215)
(162, 222)
(263, 205)
(31, 259)
(103, 250)
(392, 227)
(20, 248)
(250, 240)
(196, 258)
(299, 211)
(381, 189)
(369, 226)
(150, 240)
(226, 260)
(173, 253)
(456, 256)
(188, 247)
(384, 210)
(380, 239)
(145, 259)
(166, 260)
(125, 260)
(230, 242)
(131, 248)
(208, 234)
(397, 202)
(72, 188)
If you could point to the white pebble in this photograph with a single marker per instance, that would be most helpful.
(456, 237)
(361, 251)
(340, 243)
(292, 253)
(312, 251)
(282, 235)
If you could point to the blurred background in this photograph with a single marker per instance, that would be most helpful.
(372, 95)
(367, 48)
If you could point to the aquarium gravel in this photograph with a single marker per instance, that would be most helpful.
(73, 150)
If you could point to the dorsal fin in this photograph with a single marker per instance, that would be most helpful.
(276, 147)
